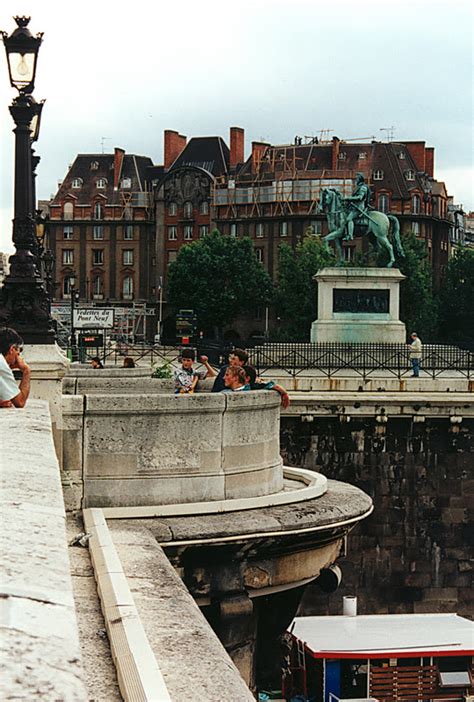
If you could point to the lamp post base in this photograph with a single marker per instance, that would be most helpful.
(25, 306)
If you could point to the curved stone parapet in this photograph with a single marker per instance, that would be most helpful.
(167, 449)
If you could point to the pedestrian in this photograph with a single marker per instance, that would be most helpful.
(234, 380)
(11, 345)
(128, 362)
(237, 358)
(257, 384)
(96, 362)
(186, 378)
(415, 354)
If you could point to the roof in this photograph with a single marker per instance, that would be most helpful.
(386, 635)
(210, 153)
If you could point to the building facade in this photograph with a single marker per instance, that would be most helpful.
(101, 231)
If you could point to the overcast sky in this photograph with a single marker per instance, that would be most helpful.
(118, 73)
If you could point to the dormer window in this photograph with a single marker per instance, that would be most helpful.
(126, 183)
(410, 175)
(94, 165)
(77, 183)
(377, 175)
(362, 156)
(342, 156)
(101, 183)
(401, 156)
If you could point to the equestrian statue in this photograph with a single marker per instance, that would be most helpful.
(343, 213)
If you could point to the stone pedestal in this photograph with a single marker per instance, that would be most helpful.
(48, 367)
(358, 305)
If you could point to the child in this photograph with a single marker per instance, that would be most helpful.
(186, 378)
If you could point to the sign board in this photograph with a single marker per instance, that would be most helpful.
(88, 341)
(93, 318)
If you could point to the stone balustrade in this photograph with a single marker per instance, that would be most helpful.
(39, 642)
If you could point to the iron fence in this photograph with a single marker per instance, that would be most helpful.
(364, 360)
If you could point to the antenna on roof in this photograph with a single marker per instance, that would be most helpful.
(102, 140)
(389, 131)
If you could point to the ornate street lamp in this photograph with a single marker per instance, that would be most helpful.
(24, 303)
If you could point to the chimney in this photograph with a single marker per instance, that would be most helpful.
(236, 146)
(258, 149)
(429, 161)
(118, 163)
(417, 151)
(174, 145)
(335, 153)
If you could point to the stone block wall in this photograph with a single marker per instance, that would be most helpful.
(414, 553)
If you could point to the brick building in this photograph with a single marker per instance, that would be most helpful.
(101, 228)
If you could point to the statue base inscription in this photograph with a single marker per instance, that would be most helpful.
(357, 305)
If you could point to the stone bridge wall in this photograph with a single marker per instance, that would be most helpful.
(414, 553)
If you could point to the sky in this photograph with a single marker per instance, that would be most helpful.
(117, 73)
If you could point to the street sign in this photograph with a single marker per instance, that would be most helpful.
(88, 341)
(93, 318)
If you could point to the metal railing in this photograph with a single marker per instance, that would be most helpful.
(364, 360)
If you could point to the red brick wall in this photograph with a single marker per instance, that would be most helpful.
(174, 144)
(236, 146)
(417, 151)
(429, 161)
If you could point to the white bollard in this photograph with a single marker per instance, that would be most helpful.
(349, 606)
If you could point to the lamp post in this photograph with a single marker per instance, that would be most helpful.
(73, 292)
(24, 303)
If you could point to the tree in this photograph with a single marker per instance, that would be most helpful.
(220, 278)
(418, 308)
(296, 293)
(456, 299)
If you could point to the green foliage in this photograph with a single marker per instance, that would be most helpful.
(163, 371)
(296, 294)
(456, 298)
(418, 308)
(218, 277)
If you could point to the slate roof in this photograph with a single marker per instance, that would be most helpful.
(90, 167)
(210, 153)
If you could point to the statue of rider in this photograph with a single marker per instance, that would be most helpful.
(356, 205)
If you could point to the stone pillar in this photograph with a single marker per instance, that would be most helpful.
(235, 625)
(48, 367)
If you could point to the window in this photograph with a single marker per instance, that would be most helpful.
(416, 204)
(172, 209)
(203, 230)
(401, 156)
(342, 156)
(204, 209)
(67, 286)
(98, 211)
(127, 287)
(172, 256)
(77, 183)
(233, 230)
(68, 210)
(127, 212)
(283, 228)
(128, 232)
(188, 232)
(316, 227)
(68, 257)
(94, 165)
(126, 183)
(101, 183)
(97, 232)
(362, 156)
(383, 203)
(259, 230)
(259, 255)
(127, 257)
(188, 209)
(68, 231)
(377, 175)
(410, 175)
(415, 227)
(97, 288)
(97, 257)
(172, 233)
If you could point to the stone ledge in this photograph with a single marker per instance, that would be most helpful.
(40, 654)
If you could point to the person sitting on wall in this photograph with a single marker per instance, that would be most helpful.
(257, 384)
(234, 380)
(128, 362)
(96, 362)
(186, 378)
(237, 358)
(10, 349)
